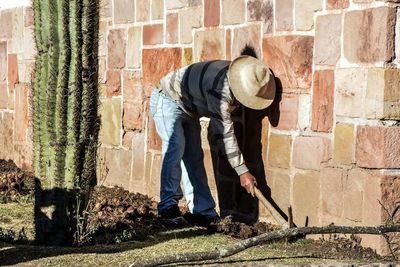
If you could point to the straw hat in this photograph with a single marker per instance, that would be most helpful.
(251, 82)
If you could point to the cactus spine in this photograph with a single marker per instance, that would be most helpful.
(65, 99)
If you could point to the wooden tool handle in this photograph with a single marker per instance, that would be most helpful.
(275, 214)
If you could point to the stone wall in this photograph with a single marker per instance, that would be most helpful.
(332, 150)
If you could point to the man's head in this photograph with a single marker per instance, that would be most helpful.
(251, 82)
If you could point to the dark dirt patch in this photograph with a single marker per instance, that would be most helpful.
(242, 230)
(14, 182)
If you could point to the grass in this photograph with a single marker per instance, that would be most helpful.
(17, 216)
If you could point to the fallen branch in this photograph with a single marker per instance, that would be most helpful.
(267, 237)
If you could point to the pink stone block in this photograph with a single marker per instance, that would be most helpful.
(378, 147)
(211, 13)
(286, 115)
(310, 152)
(284, 15)
(327, 39)
(12, 71)
(116, 49)
(322, 113)
(113, 83)
(153, 34)
(172, 28)
(3, 61)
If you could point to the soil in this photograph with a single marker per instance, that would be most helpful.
(14, 182)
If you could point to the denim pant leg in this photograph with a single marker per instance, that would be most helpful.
(168, 120)
(195, 183)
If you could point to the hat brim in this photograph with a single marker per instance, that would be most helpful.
(236, 85)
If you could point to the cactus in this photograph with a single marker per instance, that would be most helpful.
(65, 119)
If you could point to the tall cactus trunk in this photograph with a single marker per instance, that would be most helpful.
(65, 120)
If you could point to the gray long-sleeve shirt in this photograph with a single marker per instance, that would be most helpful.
(202, 90)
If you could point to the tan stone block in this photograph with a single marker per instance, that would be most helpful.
(175, 4)
(280, 188)
(118, 162)
(134, 47)
(106, 9)
(369, 35)
(228, 42)
(103, 29)
(21, 112)
(304, 13)
(153, 185)
(306, 198)
(16, 43)
(158, 62)
(261, 10)
(322, 109)
(116, 49)
(157, 9)
(127, 139)
(354, 188)
(3, 62)
(3, 96)
(25, 71)
(248, 35)
(284, 15)
(29, 45)
(113, 83)
(310, 152)
(187, 57)
(124, 11)
(337, 4)
(133, 101)
(153, 34)
(28, 16)
(378, 147)
(10, 102)
(350, 86)
(280, 148)
(210, 171)
(209, 44)
(103, 71)
(12, 71)
(142, 10)
(6, 23)
(138, 160)
(111, 121)
(6, 136)
(328, 31)
(172, 28)
(332, 195)
(233, 12)
(211, 13)
(290, 57)
(344, 144)
(191, 18)
(383, 94)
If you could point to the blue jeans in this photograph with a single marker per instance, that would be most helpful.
(182, 157)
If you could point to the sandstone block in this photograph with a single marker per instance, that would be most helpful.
(102, 71)
(157, 9)
(284, 15)
(191, 18)
(337, 4)
(344, 144)
(383, 94)
(153, 34)
(280, 188)
(138, 160)
(304, 13)
(228, 42)
(111, 121)
(3, 62)
(133, 101)
(310, 152)
(16, 43)
(118, 162)
(172, 28)
(290, 57)
(327, 39)
(354, 188)
(134, 50)
(246, 35)
(127, 139)
(211, 13)
(322, 114)
(116, 49)
(175, 4)
(28, 16)
(21, 122)
(378, 147)
(124, 11)
(209, 44)
(187, 57)
(6, 135)
(113, 83)
(233, 11)
(6, 23)
(305, 109)
(306, 198)
(369, 35)
(280, 148)
(158, 62)
(106, 9)
(103, 29)
(29, 46)
(3, 96)
(154, 140)
(12, 71)
(350, 86)
(261, 10)
(142, 10)
(153, 183)
(332, 195)
(286, 116)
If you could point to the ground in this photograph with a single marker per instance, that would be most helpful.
(113, 210)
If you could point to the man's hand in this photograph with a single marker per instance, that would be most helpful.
(247, 181)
